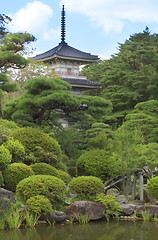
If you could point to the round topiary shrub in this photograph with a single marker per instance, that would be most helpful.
(43, 147)
(153, 187)
(5, 157)
(86, 186)
(64, 176)
(44, 169)
(14, 173)
(51, 187)
(39, 205)
(6, 128)
(16, 149)
(98, 163)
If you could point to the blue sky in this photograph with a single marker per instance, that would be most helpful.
(94, 26)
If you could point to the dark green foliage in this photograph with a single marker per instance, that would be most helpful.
(1, 179)
(44, 169)
(51, 187)
(14, 173)
(40, 144)
(64, 176)
(153, 187)
(99, 163)
(16, 149)
(39, 205)
(5, 157)
(145, 117)
(86, 186)
(130, 76)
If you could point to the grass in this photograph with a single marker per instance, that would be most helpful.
(146, 215)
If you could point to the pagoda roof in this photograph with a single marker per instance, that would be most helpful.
(75, 82)
(64, 51)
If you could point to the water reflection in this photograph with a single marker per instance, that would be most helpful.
(92, 231)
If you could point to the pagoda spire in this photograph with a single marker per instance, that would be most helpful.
(63, 31)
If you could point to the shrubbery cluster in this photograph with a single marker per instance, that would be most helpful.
(51, 187)
(86, 186)
(153, 187)
(14, 173)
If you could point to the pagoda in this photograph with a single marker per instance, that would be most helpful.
(66, 61)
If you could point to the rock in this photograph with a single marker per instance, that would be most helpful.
(93, 210)
(121, 199)
(57, 217)
(113, 192)
(7, 195)
(153, 209)
(127, 209)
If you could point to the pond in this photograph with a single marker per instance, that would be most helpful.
(122, 230)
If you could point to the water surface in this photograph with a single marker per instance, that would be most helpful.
(122, 230)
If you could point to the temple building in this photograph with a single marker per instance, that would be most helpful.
(66, 61)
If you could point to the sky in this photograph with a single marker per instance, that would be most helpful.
(93, 26)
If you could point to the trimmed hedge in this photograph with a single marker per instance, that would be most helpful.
(86, 186)
(51, 187)
(98, 163)
(43, 147)
(14, 173)
(5, 157)
(39, 205)
(44, 169)
(16, 149)
(153, 187)
(64, 176)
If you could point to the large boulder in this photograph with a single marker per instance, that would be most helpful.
(153, 209)
(127, 209)
(57, 217)
(5, 194)
(113, 191)
(93, 210)
(121, 199)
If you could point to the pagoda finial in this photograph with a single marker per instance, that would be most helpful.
(63, 31)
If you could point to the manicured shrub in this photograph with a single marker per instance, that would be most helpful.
(43, 147)
(16, 149)
(5, 157)
(44, 169)
(153, 187)
(39, 205)
(51, 187)
(86, 186)
(64, 176)
(98, 163)
(14, 173)
(113, 208)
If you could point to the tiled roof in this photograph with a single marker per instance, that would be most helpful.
(64, 50)
(82, 82)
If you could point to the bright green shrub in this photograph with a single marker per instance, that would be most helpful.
(153, 187)
(40, 144)
(16, 149)
(6, 127)
(39, 205)
(86, 186)
(64, 176)
(1, 179)
(14, 173)
(98, 163)
(44, 169)
(51, 187)
(5, 157)
(113, 208)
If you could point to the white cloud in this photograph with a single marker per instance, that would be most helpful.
(112, 14)
(34, 18)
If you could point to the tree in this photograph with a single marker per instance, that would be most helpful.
(145, 117)
(130, 76)
(48, 99)
(11, 48)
